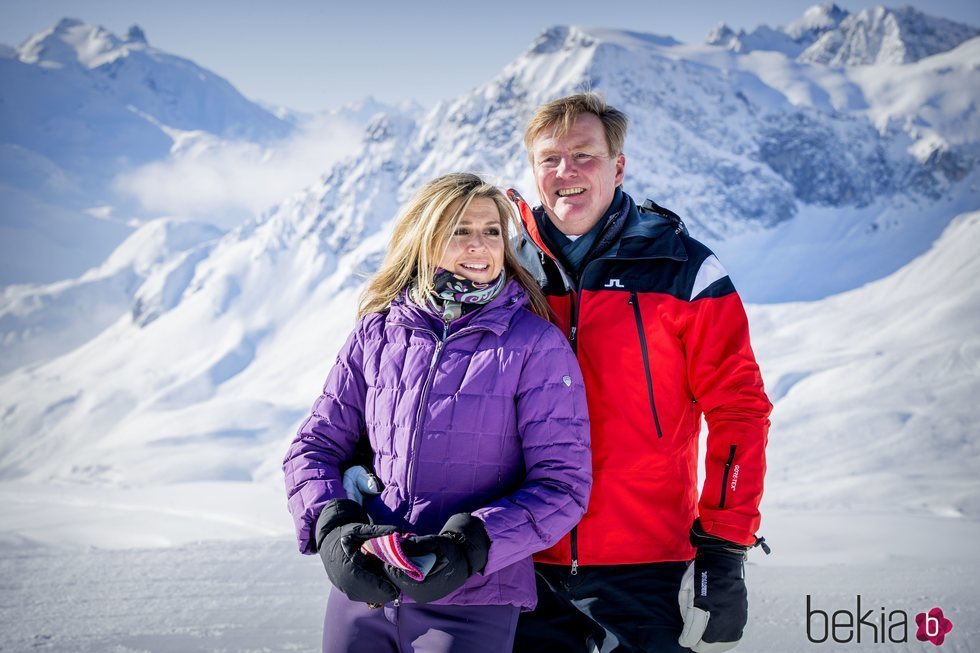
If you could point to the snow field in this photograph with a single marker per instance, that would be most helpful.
(262, 595)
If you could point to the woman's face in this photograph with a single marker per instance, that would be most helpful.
(476, 248)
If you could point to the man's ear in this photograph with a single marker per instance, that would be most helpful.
(620, 169)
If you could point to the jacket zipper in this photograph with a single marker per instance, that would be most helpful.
(572, 332)
(728, 471)
(634, 300)
(573, 322)
(574, 306)
(424, 395)
(573, 341)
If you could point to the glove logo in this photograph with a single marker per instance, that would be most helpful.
(704, 583)
(933, 626)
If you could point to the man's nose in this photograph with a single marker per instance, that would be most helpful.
(566, 165)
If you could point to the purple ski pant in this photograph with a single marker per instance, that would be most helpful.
(351, 627)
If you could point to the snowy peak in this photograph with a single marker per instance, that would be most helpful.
(569, 38)
(829, 35)
(815, 21)
(136, 78)
(558, 38)
(791, 40)
(889, 36)
(71, 42)
(135, 34)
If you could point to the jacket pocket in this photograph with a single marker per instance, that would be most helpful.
(641, 333)
(727, 475)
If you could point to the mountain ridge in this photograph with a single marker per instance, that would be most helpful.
(829, 35)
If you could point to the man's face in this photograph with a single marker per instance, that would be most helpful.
(575, 174)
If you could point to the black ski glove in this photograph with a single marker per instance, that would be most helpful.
(713, 598)
(461, 550)
(340, 531)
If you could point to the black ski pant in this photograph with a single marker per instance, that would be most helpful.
(609, 608)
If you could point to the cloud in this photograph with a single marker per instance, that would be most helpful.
(224, 182)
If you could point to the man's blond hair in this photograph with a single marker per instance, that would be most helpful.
(562, 113)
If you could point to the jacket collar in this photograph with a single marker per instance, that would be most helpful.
(495, 316)
(645, 234)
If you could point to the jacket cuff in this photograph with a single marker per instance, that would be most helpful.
(470, 533)
(708, 543)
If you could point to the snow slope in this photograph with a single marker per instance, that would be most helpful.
(41, 323)
(874, 389)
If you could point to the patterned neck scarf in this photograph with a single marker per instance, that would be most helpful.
(451, 295)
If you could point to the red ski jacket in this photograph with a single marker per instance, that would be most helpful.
(662, 339)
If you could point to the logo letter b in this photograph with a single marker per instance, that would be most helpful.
(825, 626)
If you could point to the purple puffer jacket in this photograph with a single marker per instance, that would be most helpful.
(490, 420)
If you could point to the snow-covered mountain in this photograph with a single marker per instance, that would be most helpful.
(807, 179)
(100, 133)
(875, 388)
(83, 98)
(827, 34)
(78, 106)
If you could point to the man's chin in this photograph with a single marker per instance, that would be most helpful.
(569, 219)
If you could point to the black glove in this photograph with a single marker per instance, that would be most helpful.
(340, 530)
(461, 550)
(713, 598)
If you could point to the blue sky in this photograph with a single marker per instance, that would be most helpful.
(311, 55)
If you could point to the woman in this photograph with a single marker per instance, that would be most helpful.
(474, 409)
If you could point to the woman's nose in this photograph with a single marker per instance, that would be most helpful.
(477, 242)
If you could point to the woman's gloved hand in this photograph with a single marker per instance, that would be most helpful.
(341, 529)
(461, 549)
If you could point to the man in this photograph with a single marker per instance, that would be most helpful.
(662, 339)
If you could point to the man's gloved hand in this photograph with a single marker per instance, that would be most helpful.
(461, 550)
(713, 599)
(341, 529)
(359, 483)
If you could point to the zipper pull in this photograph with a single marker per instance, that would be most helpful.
(761, 541)
(571, 334)
(574, 571)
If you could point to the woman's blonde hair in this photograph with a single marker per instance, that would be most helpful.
(421, 234)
